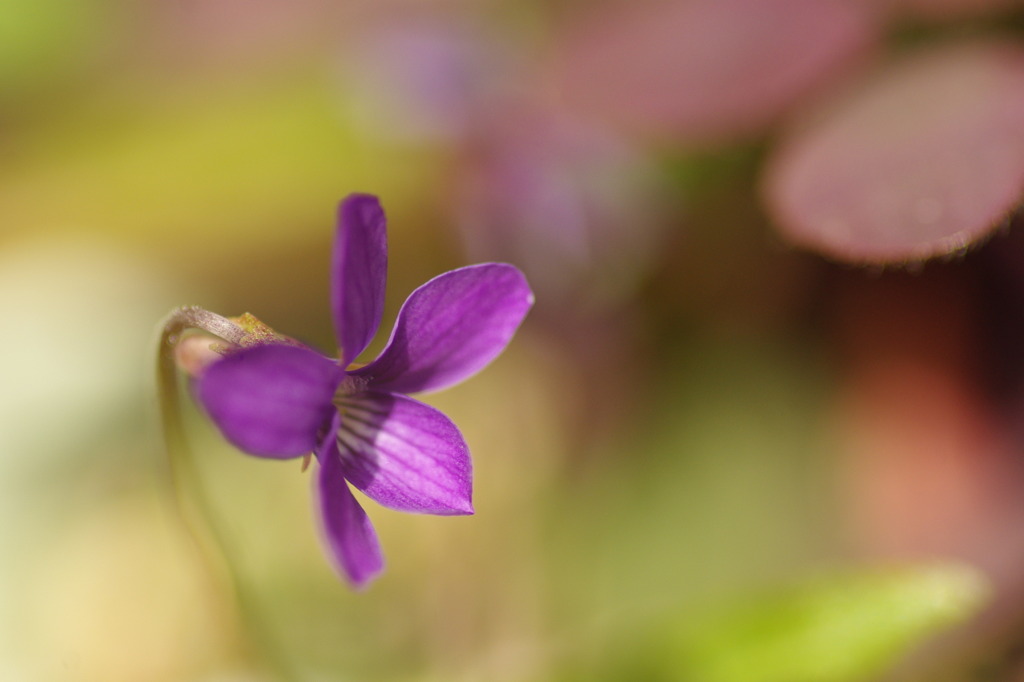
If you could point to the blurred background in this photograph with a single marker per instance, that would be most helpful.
(765, 421)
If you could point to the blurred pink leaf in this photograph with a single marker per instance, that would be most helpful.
(948, 9)
(707, 70)
(922, 161)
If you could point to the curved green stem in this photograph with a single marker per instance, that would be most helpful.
(187, 491)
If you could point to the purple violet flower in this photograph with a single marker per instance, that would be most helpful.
(284, 401)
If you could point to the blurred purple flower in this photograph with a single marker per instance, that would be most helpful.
(285, 401)
(425, 80)
(576, 207)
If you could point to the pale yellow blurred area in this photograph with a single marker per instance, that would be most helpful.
(142, 610)
(96, 578)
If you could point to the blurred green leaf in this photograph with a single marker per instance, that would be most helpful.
(838, 629)
(723, 489)
(201, 168)
(41, 38)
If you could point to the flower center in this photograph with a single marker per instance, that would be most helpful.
(349, 386)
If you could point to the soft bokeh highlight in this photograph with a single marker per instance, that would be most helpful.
(714, 439)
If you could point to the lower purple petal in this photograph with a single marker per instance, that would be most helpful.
(348, 535)
(405, 455)
(270, 400)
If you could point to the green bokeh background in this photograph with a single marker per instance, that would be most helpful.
(671, 506)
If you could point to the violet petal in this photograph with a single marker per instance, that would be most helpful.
(270, 400)
(450, 328)
(358, 273)
(348, 535)
(405, 455)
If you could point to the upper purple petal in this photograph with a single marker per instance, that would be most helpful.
(270, 400)
(358, 273)
(450, 328)
(405, 455)
(348, 535)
